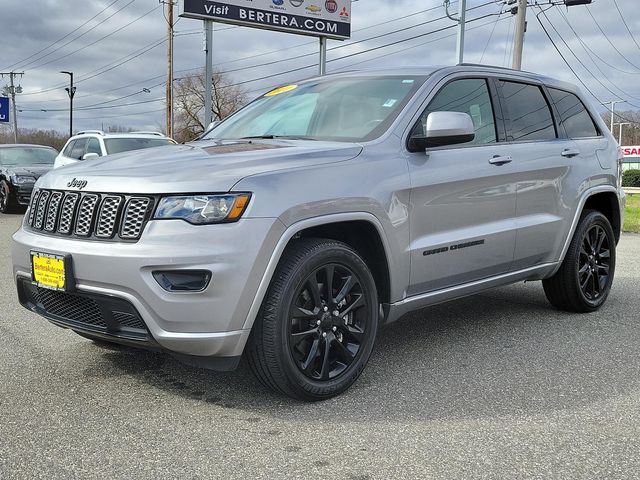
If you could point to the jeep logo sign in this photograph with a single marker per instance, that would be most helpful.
(75, 183)
(314, 17)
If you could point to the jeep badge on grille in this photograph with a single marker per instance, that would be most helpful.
(75, 183)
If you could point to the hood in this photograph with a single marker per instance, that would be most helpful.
(199, 167)
(28, 170)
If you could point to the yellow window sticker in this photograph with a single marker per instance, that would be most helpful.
(279, 90)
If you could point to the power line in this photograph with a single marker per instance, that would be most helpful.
(579, 78)
(609, 40)
(74, 39)
(251, 56)
(100, 39)
(615, 2)
(65, 36)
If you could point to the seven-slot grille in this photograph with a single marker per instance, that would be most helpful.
(90, 215)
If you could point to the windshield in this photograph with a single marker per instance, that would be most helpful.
(342, 109)
(27, 156)
(118, 145)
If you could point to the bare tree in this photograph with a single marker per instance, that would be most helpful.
(189, 107)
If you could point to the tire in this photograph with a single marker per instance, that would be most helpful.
(298, 346)
(583, 282)
(8, 203)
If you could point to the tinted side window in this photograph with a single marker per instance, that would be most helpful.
(94, 146)
(471, 96)
(576, 120)
(68, 149)
(528, 112)
(78, 148)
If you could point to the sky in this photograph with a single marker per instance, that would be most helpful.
(117, 51)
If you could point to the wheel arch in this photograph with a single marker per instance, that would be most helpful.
(342, 227)
(603, 199)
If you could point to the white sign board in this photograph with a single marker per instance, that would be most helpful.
(631, 151)
(321, 18)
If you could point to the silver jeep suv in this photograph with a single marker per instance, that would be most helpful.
(324, 209)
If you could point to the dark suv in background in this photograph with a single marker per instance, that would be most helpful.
(20, 168)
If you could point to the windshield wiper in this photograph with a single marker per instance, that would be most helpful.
(273, 137)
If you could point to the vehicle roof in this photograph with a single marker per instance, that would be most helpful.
(120, 135)
(24, 145)
(464, 67)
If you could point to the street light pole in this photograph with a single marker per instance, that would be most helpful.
(71, 91)
(620, 134)
(613, 108)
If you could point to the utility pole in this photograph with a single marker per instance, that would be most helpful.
(620, 135)
(71, 91)
(462, 10)
(169, 94)
(518, 39)
(323, 56)
(12, 90)
(208, 73)
(613, 107)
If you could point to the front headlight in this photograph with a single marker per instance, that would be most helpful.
(23, 180)
(203, 209)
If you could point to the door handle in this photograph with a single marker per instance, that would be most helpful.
(500, 159)
(570, 152)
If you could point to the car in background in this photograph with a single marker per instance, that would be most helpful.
(20, 167)
(96, 143)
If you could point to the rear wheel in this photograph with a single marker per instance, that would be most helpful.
(583, 282)
(8, 203)
(317, 325)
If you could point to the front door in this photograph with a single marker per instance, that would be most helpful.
(463, 197)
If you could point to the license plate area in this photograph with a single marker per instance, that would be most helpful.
(52, 271)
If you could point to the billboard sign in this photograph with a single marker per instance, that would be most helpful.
(631, 151)
(4, 109)
(321, 18)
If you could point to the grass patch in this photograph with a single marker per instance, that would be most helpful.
(632, 214)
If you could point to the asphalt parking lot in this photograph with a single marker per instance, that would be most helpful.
(497, 385)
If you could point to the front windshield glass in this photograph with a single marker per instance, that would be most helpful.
(338, 109)
(27, 156)
(119, 145)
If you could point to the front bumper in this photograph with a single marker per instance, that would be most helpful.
(203, 324)
(23, 194)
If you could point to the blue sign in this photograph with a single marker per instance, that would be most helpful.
(4, 109)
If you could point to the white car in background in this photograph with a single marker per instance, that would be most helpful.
(96, 143)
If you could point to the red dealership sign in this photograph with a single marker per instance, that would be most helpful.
(631, 151)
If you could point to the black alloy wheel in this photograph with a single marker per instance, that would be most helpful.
(329, 316)
(317, 325)
(583, 281)
(7, 203)
(594, 262)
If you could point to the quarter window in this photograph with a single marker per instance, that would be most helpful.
(574, 116)
(528, 112)
(471, 96)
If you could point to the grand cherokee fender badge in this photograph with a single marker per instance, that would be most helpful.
(451, 248)
(75, 183)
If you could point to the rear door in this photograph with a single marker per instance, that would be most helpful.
(542, 156)
(463, 198)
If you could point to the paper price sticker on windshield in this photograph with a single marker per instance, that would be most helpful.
(279, 90)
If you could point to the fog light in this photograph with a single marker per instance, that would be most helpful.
(183, 280)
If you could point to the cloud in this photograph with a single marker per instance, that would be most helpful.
(114, 70)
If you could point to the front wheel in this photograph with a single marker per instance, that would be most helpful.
(8, 202)
(318, 322)
(583, 282)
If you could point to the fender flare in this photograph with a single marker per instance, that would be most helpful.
(288, 234)
(574, 224)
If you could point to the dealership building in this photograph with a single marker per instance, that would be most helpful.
(631, 158)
